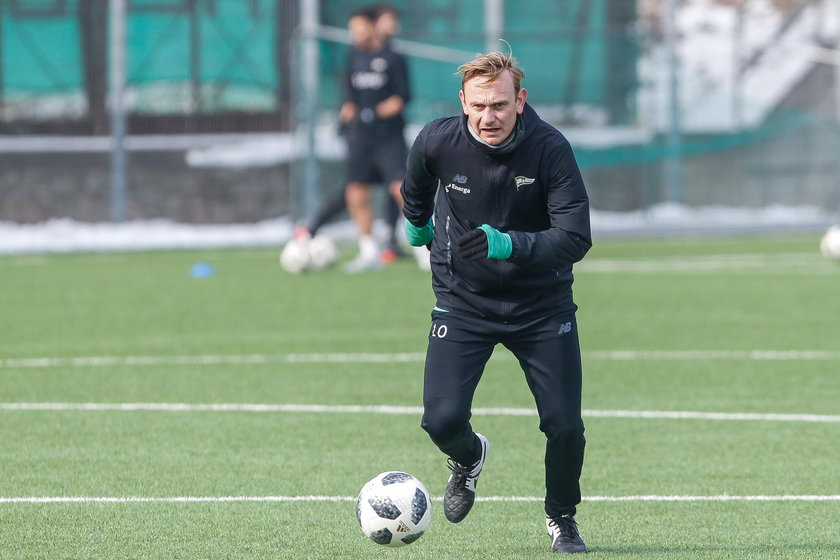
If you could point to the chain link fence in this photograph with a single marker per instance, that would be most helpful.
(214, 99)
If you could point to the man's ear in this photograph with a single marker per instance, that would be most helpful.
(463, 101)
(520, 100)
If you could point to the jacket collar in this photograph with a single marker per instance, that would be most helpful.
(523, 127)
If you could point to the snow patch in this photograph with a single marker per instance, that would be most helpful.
(66, 235)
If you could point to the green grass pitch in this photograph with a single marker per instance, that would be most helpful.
(107, 361)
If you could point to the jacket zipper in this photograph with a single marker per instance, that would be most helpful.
(495, 180)
(495, 171)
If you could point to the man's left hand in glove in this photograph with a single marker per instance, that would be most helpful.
(484, 242)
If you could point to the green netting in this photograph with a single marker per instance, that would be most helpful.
(221, 46)
(562, 46)
(39, 55)
(235, 43)
(228, 49)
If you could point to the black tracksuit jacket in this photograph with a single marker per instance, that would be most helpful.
(530, 188)
(372, 77)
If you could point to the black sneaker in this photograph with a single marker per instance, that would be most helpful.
(565, 538)
(460, 490)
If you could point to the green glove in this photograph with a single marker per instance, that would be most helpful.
(419, 236)
(485, 242)
(499, 245)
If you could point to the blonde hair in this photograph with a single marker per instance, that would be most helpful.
(490, 66)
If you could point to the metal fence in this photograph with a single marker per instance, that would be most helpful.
(191, 65)
(661, 100)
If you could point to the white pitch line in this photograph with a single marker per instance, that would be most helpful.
(224, 499)
(172, 499)
(212, 359)
(398, 358)
(403, 410)
(702, 263)
(209, 407)
(720, 498)
(692, 415)
(756, 355)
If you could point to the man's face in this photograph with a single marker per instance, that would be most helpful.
(361, 31)
(387, 25)
(491, 107)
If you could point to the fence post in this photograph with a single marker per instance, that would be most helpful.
(673, 162)
(310, 66)
(118, 167)
(494, 22)
(1, 55)
(834, 16)
(93, 29)
(196, 97)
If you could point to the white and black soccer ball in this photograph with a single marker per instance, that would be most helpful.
(830, 244)
(322, 252)
(394, 509)
(294, 258)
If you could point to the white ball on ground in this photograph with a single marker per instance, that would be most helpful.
(394, 509)
(830, 244)
(322, 252)
(294, 258)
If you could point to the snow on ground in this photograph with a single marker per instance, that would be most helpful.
(719, 88)
(65, 235)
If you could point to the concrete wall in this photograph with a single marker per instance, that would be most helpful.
(37, 187)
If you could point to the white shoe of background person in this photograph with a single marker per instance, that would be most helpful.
(368, 258)
(363, 263)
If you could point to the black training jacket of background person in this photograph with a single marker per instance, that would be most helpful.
(530, 188)
(374, 77)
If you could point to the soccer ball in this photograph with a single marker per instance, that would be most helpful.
(294, 258)
(322, 252)
(394, 509)
(830, 244)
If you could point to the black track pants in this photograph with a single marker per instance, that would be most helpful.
(549, 353)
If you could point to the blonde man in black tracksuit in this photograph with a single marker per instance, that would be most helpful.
(497, 195)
